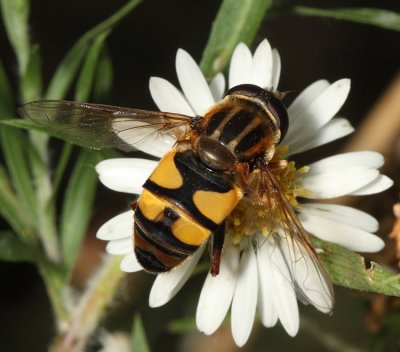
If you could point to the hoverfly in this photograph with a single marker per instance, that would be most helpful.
(219, 161)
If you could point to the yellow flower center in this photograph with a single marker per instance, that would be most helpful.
(257, 213)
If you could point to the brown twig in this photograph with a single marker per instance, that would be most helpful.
(381, 127)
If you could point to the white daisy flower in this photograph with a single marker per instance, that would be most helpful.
(250, 276)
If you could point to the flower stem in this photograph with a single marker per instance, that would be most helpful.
(53, 279)
(90, 309)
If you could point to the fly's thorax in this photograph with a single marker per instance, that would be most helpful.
(238, 129)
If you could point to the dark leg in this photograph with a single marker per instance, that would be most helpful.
(216, 249)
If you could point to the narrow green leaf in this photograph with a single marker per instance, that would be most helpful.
(77, 205)
(13, 250)
(15, 146)
(46, 213)
(11, 209)
(66, 71)
(351, 270)
(15, 17)
(61, 166)
(139, 340)
(24, 124)
(375, 17)
(30, 178)
(6, 101)
(33, 126)
(86, 77)
(236, 21)
(104, 76)
(182, 326)
(31, 84)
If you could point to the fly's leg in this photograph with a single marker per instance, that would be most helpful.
(216, 249)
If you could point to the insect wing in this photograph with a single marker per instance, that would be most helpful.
(103, 126)
(292, 252)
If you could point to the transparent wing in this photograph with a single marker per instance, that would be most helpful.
(101, 126)
(283, 229)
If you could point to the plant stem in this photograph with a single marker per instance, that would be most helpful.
(53, 279)
(91, 307)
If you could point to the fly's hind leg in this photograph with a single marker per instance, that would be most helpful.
(216, 249)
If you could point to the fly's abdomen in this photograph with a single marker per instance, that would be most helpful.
(182, 204)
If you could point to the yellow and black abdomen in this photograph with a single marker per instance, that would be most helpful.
(182, 204)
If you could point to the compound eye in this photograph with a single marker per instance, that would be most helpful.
(249, 90)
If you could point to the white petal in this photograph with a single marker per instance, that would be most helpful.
(168, 98)
(379, 184)
(333, 130)
(283, 293)
(119, 227)
(130, 264)
(156, 144)
(266, 306)
(166, 285)
(335, 184)
(334, 231)
(261, 69)
(342, 162)
(344, 214)
(244, 301)
(193, 83)
(276, 69)
(341, 174)
(217, 292)
(148, 139)
(305, 98)
(217, 87)
(120, 247)
(321, 109)
(125, 175)
(240, 67)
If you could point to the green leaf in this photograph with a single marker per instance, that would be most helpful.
(30, 179)
(375, 17)
(61, 166)
(86, 77)
(33, 126)
(77, 205)
(11, 209)
(351, 270)
(13, 250)
(139, 340)
(31, 84)
(66, 71)
(14, 146)
(104, 76)
(6, 101)
(15, 17)
(46, 211)
(182, 326)
(236, 21)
